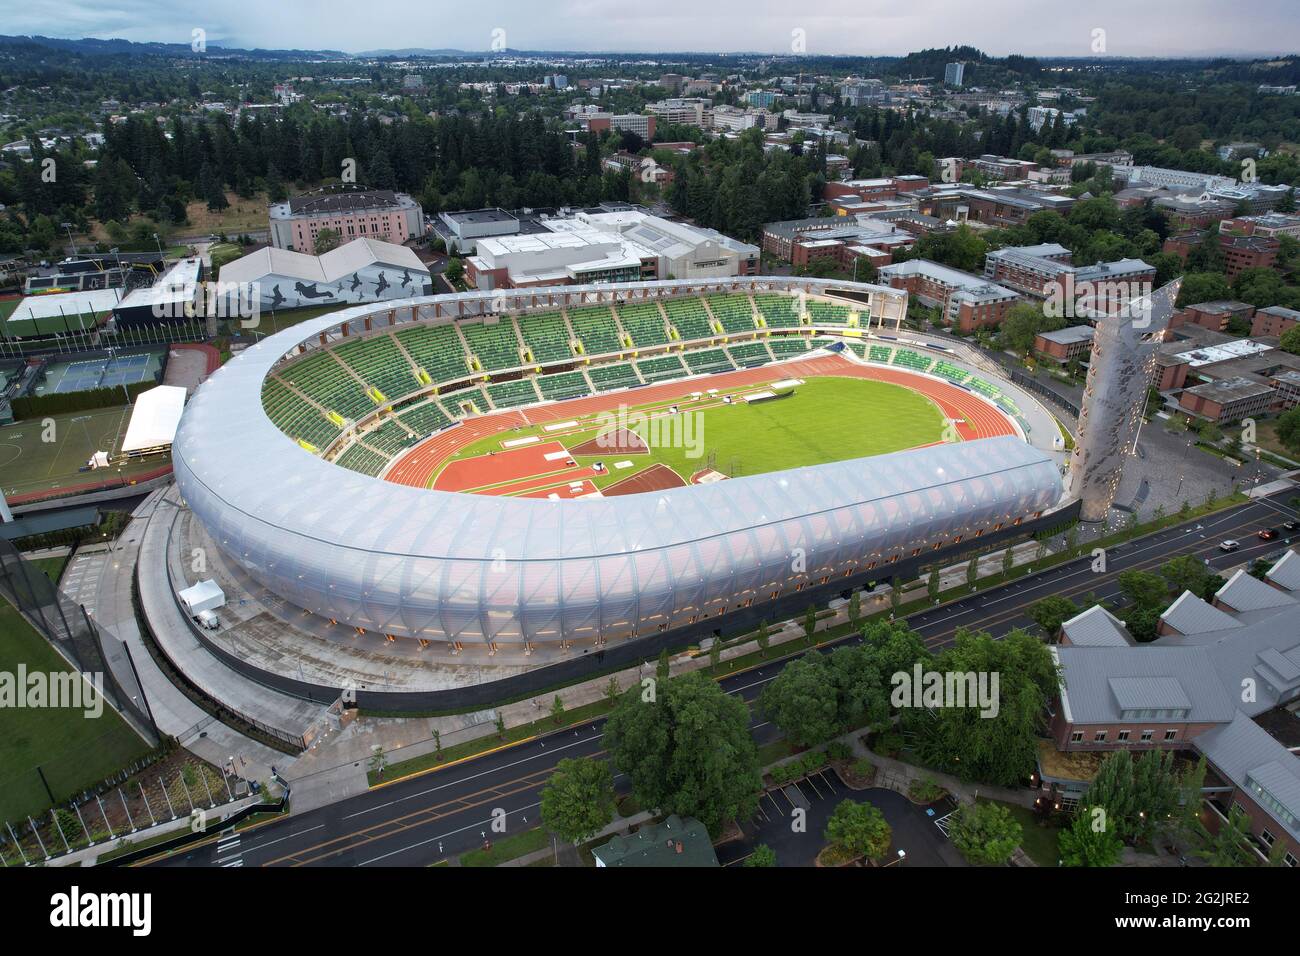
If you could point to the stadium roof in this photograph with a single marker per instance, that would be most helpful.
(412, 561)
(60, 312)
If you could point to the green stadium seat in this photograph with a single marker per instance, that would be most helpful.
(880, 353)
(788, 346)
(735, 312)
(495, 345)
(778, 311)
(909, 359)
(425, 418)
(689, 318)
(708, 360)
(828, 313)
(509, 394)
(362, 459)
(437, 349)
(661, 368)
(750, 354)
(546, 336)
(618, 375)
(563, 385)
(644, 322)
(295, 417)
(380, 363)
(320, 377)
(596, 329)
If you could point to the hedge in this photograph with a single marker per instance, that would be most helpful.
(55, 403)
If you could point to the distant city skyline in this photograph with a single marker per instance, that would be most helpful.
(1177, 28)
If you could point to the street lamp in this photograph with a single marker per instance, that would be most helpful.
(902, 855)
(159, 241)
(71, 241)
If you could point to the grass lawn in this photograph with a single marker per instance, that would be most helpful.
(271, 322)
(30, 464)
(827, 419)
(508, 848)
(72, 749)
(1038, 842)
(53, 567)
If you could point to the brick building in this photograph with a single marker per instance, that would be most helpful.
(966, 302)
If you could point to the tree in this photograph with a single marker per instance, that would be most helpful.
(326, 240)
(810, 621)
(1288, 425)
(378, 761)
(1088, 841)
(1189, 573)
(986, 834)
(1051, 612)
(688, 752)
(1008, 561)
(801, 700)
(859, 829)
(612, 690)
(763, 638)
(663, 668)
(1148, 594)
(1230, 846)
(1140, 795)
(501, 726)
(932, 584)
(578, 799)
(454, 270)
(1023, 322)
(557, 709)
(855, 607)
(762, 856)
(991, 740)
(972, 571)
(715, 653)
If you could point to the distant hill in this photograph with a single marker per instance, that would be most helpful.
(118, 47)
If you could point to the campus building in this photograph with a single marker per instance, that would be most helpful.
(966, 302)
(353, 212)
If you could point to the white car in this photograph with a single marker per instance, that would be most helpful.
(1229, 545)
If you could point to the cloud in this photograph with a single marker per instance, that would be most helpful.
(865, 27)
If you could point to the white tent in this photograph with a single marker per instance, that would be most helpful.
(154, 419)
(203, 596)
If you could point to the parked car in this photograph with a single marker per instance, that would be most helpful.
(1268, 534)
(208, 620)
(1228, 545)
(1291, 525)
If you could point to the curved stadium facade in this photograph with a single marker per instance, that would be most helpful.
(263, 464)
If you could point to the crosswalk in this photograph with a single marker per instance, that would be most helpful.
(228, 851)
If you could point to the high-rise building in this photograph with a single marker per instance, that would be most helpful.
(954, 73)
(1120, 370)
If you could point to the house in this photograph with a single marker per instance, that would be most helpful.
(676, 842)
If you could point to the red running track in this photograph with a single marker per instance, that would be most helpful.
(419, 465)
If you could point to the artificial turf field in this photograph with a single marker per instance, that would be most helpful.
(73, 750)
(827, 419)
(28, 463)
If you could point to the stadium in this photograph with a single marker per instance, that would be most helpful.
(488, 472)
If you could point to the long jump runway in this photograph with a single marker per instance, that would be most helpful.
(418, 466)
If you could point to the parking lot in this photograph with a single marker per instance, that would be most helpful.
(915, 828)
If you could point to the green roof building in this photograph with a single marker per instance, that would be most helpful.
(675, 842)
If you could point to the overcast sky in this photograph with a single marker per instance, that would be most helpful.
(867, 27)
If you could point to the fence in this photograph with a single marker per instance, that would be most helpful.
(190, 330)
(91, 650)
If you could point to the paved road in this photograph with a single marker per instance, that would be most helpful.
(423, 820)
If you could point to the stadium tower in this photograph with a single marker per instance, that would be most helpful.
(1120, 370)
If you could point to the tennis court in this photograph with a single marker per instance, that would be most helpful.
(98, 373)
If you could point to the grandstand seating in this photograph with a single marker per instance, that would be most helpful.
(618, 375)
(362, 459)
(788, 345)
(644, 322)
(437, 349)
(391, 438)
(778, 310)
(295, 417)
(880, 353)
(563, 385)
(734, 312)
(662, 367)
(507, 394)
(495, 345)
(595, 327)
(547, 336)
(828, 313)
(320, 376)
(689, 318)
(709, 360)
(950, 371)
(379, 361)
(909, 359)
(750, 353)
(984, 388)
(425, 419)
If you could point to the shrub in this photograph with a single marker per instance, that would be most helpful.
(838, 750)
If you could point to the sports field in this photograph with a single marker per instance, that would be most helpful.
(29, 464)
(826, 419)
(841, 411)
(72, 750)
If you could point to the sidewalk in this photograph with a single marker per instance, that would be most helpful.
(569, 852)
